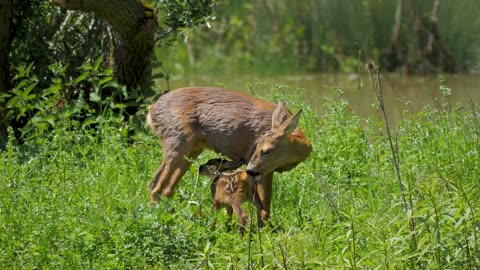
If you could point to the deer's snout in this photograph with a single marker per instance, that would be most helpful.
(256, 176)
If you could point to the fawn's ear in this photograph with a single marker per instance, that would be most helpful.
(289, 125)
(279, 115)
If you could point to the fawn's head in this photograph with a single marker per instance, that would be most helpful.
(211, 168)
(279, 149)
(217, 166)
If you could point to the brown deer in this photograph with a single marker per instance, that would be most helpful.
(240, 127)
(230, 189)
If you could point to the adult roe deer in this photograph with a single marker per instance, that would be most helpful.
(230, 189)
(240, 127)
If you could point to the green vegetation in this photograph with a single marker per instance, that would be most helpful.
(281, 36)
(53, 54)
(75, 196)
(75, 159)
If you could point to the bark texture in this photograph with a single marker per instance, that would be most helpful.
(5, 18)
(5, 40)
(134, 27)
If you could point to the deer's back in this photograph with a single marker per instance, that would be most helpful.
(225, 121)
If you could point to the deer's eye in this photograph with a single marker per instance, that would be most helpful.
(265, 152)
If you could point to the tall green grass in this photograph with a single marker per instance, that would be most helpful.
(77, 198)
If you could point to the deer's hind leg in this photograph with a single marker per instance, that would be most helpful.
(157, 185)
(171, 170)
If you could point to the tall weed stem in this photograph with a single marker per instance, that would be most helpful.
(377, 87)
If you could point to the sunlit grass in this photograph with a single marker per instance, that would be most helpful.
(78, 199)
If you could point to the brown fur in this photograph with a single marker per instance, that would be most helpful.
(231, 189)
(188, 120)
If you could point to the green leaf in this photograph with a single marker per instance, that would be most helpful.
(50, 119)
(88, 122)
(51, 90)
(29, 97)
(82, 77)
(22, 84)
(29, 68)
(105, 80)
(97, 63)
(4, 95)
(120, 106)
(30, 88)
(13, 102)
(22, 111)
(95, 97)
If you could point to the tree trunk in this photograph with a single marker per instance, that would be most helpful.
(398, 23)
(436, 52)
(134, 27)
(5, 17)
(433, 33)
(396, 55)
(431, 55)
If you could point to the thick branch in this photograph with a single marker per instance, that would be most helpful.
(134, 26)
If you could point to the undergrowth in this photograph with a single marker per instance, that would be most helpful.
(76, 197)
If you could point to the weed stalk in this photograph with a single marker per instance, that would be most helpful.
(377, 87)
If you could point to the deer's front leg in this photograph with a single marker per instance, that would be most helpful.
(264, 189)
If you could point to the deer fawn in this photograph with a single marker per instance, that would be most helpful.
(231, 189)
(242, 128)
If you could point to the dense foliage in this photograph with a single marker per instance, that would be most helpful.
(266, 36)
(68, 63)
(76, 197)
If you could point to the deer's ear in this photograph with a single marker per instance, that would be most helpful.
(289, 125)
(279, 115)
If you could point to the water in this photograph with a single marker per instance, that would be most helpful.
(398, 90)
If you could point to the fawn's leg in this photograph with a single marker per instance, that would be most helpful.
(241, 216)
(216, 208)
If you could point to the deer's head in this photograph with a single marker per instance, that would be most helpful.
(281, 148)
